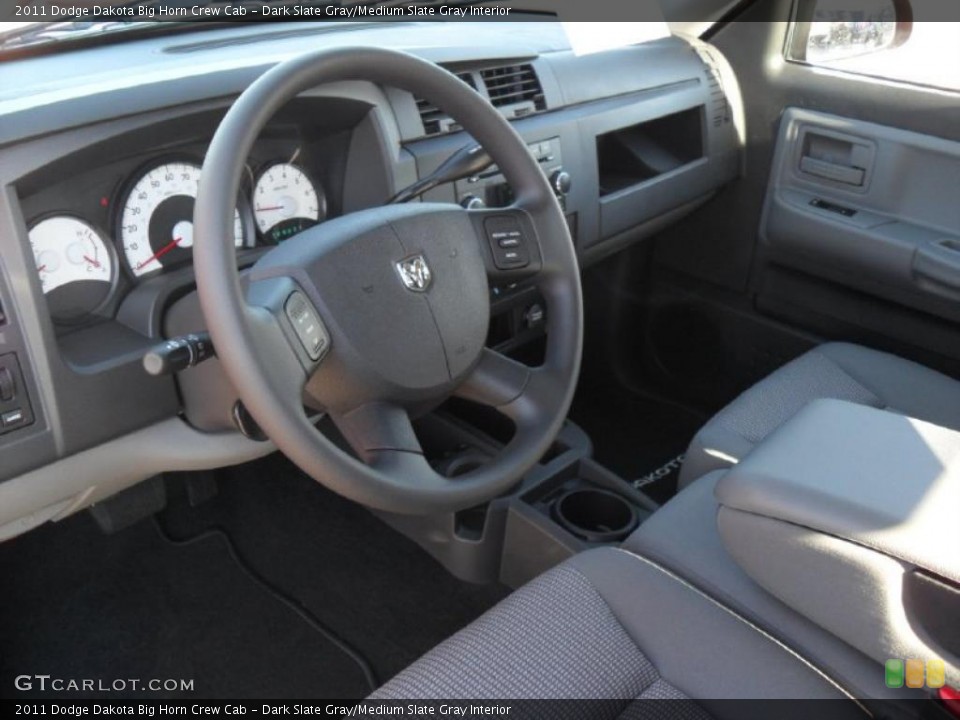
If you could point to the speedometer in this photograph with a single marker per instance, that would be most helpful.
(156, 219)
(286, 202)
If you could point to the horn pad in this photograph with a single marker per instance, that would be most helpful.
(403, 293)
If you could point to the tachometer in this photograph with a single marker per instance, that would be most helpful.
(75, 266)
(156, 219)
(286, 202)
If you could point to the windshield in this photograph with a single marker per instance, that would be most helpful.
(141, 17)
(26, 34)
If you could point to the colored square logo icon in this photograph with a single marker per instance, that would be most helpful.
(893, 672)
(936, 674)
(914, 673)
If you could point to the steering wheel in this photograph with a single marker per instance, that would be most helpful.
(381, 314)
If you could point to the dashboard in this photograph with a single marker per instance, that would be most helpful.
(99, 169)
(97, 231)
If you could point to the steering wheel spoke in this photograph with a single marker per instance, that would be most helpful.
(383, 436)
(377, 428)
(294, 316)
(411, 467)
(496, 381)
(287, 374)
(508, 386)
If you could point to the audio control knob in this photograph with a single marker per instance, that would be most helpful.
(561, 181)
(472, 202)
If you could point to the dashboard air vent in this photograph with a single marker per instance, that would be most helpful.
(515, 87)
(435, 120)
(514, 90)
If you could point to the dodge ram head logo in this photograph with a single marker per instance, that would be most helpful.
(415, 273)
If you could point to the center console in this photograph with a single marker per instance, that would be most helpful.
(567, 503)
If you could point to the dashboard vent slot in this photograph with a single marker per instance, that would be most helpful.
(514, 90)
(435, 120)
(515, 87)
(720, 110)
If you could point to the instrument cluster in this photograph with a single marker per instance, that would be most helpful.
(145, 229)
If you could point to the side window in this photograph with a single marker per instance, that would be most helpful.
(903, 40)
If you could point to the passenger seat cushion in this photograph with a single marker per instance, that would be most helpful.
(556, 638)
(608, 624)
(695, 643)
(838, 371)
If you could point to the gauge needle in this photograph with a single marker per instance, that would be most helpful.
(267, 209)
(42, 268)
(91, 261)
(160, 253)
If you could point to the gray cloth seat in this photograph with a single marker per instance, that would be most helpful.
(682, 536)
(609, 624)
(839, 371)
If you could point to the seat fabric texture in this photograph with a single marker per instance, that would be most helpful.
(610, 625)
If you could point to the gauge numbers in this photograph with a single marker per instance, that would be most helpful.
(75, 265)
(156, 219)
(286, 202)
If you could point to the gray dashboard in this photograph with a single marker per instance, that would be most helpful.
(642, 145)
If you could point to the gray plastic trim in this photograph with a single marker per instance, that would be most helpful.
(73, 483)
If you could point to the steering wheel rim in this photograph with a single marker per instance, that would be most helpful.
(257, 350)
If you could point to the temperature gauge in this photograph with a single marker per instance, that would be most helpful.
(75, 266)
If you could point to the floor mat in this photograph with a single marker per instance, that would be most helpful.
(638, 437)
(369, 584)
(81, 605)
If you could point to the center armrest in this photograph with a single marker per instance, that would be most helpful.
(870, 476)
(851, 515)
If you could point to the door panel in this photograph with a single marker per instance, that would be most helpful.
(868, 206)
(887, 276)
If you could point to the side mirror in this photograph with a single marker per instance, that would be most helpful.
(830, 30)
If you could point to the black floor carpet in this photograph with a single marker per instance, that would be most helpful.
(639, 437)
(81, 605)
(373, 586)
(78, 604)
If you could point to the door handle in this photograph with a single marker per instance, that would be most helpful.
(831, 171)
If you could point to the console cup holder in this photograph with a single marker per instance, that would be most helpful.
(595, 515)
